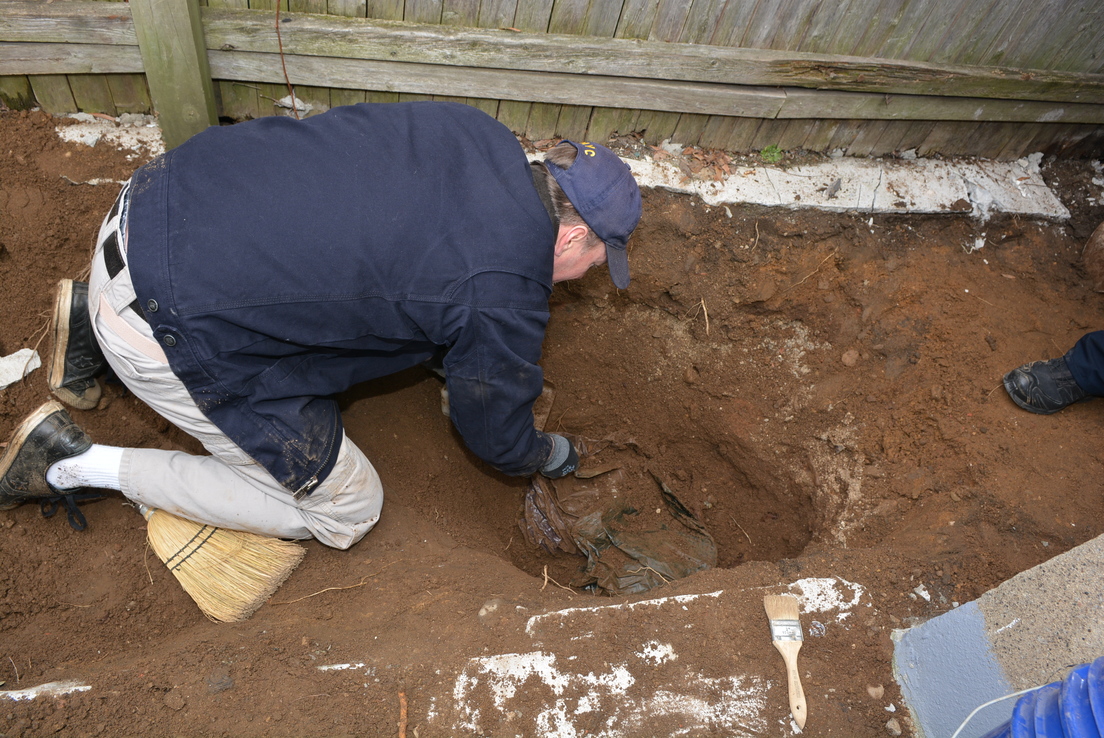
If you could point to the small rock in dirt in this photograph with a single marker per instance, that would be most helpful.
(850, 357)
(219, 680)
(876, 692)
(174, 700)
(992, 342)
(893, 727)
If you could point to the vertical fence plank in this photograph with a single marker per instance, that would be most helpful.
(15, 92)
(573, 122)
(381, 97)
(488, 106)
(533, 15)
(542, 120)
(941, 139)
(52, 93)
(497, 13)
(174, 56)
(822, 26)
(602, 18)
(384, 9)
(568, 16)
(460, 12)
(717, 131)
(91, 93)
(423, 11)
(931, 33)
(689, 129)
(239, 101)
(701, 21)
(732, 24)
(308, 6)
(1082, 53)
(348, 8)
(514, 115)
(899, 37)
(637, 17)
(129, 92)
(657, 126)
(670, 17)
(819, 134)
(339, 97)
(915, 134)
(795, 134)
(605, 122)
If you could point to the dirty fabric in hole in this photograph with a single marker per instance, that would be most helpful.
(580, 515)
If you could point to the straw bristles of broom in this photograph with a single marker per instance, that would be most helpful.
(228, 573)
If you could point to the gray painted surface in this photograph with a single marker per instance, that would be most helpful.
(1029, 631)
(946, 669)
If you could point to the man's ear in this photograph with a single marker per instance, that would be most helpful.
(571, 237)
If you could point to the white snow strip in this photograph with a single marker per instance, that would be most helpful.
(976, 187)
(341, 667)
(824, 594)
(134, 133)
(568, 612)
(50, 689)
(14, 367)
(728, 705)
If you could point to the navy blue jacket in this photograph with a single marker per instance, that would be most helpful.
(280, 262)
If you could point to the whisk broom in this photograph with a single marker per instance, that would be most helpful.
(228, 573)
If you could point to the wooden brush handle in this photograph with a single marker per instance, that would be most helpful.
(789, 650)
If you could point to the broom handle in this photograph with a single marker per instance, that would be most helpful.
(147, 512)
(789, 650)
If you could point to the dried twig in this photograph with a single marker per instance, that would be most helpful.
(742, 530)
(361, 583)
(548, 579)
(283, 62)
(16, 669)
(756, 244)
(810, 274)
(402, 714)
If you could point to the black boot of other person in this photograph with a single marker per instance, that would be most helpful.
(1043, 387)
(77, 359)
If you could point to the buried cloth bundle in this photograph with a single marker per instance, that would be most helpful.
(1071, 708)
(587, 515)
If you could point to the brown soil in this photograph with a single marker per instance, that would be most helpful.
(824, 393)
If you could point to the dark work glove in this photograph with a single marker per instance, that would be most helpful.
(564, 458)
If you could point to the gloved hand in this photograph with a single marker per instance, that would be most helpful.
(564, 458)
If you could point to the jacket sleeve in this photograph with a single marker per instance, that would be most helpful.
(493, 380)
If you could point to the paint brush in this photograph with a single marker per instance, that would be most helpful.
(785, 624)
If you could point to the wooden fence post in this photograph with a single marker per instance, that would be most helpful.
(170, 38)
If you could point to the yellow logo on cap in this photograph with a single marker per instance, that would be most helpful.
(588, 148)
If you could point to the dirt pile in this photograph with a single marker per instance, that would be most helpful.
(821, 391)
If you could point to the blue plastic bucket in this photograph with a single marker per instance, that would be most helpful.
(1048, 717)
(1095, 684)
(1023, 716)
(1073, 701)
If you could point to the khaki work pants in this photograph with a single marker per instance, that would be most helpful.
(226, 489)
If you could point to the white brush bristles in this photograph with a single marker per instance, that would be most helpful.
(228, 573)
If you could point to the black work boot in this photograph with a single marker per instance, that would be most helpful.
(48, 435)
(77, 359)
(1044, 387)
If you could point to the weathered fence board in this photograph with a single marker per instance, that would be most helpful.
(15, 92)
(52, 92)
(424, 44)
(171, 43)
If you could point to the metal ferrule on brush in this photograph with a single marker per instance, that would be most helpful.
(786, 630)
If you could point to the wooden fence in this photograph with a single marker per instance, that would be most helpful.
(995, 78)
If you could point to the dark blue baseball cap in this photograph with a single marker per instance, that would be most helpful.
(606, 196)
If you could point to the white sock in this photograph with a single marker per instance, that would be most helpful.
(97, 467)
